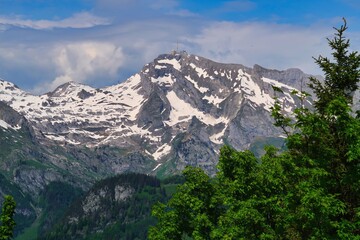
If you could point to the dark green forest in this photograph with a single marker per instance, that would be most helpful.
(128, 218)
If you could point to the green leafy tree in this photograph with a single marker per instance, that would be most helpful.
(309, 191)
(6, 218)
(191, 212)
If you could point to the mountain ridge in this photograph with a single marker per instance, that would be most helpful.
(155, 105)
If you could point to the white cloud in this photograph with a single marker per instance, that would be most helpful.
(78, 20)
(98, 57)
(40, 60)
(270, 45)
(44, 68)
(81, 62)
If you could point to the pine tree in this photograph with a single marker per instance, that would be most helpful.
(6, 218)
(328, 139)
(341, 75)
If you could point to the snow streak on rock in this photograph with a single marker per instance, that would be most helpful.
(177, 103)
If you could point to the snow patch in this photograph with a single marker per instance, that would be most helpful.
(166, 80)
(201, 89)
(172, 62)
(162, 151)
(182, 111)
(217, 137)
(288, 98)
(157, 166)
(159, 67)
(253, 91)
(60, 138)
(215, 100)
(4, 124)
(201, 72)
(276, 83)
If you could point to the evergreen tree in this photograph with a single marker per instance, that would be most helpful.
(310, 191)
(6, 218)
(341, 76)
(328, 139)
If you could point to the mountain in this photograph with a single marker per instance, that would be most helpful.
(115, 208)
(177, 111)
(180, 107)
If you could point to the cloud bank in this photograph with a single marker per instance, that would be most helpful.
(78, 20)
(115, 39)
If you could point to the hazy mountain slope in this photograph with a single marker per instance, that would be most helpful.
(114, 208)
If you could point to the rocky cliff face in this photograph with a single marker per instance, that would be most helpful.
(114, 208)
(178, 110)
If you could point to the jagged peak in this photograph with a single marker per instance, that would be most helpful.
(8, 89)
(259, 68)
(68, 84)
(69, 88)
(175, 54)
(4, 84)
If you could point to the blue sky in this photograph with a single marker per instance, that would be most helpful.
(44, 43)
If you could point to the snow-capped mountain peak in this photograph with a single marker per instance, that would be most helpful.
(176, 99)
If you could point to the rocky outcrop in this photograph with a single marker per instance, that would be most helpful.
(175, 95)
(15, 120)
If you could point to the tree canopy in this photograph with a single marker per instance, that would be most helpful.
(6, 218)
(309, 191)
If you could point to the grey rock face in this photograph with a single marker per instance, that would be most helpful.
(179, 107)
(15, 120)
(33, 181)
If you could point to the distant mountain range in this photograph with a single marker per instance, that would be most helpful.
(177, 111)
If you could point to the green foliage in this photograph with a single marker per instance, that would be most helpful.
(55, 199)
(341, 76)
(192, 209)
(23, 204)
(311, 190)
(6, 218)
(111, 218)
(259, 143)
